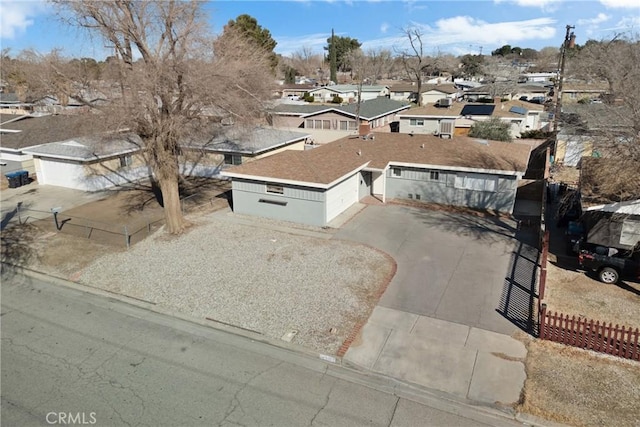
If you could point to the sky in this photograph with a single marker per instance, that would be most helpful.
(454, 27)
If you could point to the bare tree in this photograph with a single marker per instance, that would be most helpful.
(171, 73)
(500, 75)
(614, 123)
(306, 62)
(413, 59)
(381, 61)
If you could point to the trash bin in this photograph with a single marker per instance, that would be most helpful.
(24, 178)
(15, 180)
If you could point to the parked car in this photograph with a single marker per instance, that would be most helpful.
(610, 264)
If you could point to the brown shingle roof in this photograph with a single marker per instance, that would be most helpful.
(41, 130)
(327, 163)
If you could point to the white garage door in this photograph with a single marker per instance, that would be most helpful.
(342, 196)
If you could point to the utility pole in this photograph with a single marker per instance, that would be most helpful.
(569, 42)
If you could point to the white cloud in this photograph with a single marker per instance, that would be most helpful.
(287, 45)
(16, 17)
(594, 21)
(621, 4)
(542, 4)
(384, 27)
(456, 34)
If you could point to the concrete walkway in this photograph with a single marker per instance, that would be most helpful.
(469, 363)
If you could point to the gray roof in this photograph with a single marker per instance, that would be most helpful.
(89, 148)
(351, 88)
(252, 141)
(369, 109)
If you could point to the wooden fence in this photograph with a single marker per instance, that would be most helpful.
(578, 332)
(589, 335)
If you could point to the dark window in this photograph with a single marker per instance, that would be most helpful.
(397, 172)
(434, 175)
(275, 189)
(125, 161)
(232, 159)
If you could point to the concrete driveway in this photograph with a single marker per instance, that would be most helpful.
(446, 322)
(451, 267)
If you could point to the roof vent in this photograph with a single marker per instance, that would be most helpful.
(359, 153)
(422, 146)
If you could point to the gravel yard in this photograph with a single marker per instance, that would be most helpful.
(272, 282)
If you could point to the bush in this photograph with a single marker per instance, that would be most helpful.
(307, 97)
(337, 99)
(536, 134)
(494, 129)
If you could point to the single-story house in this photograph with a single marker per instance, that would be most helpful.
(516, 92)
(293, 91)
(90, 163)
(378, 112)
(10, 104)
(573, 91)
(610, 203)
(220, 147)
(315, 186)
(348, 92)
(431, 93)
(456, 118)
(19, 132)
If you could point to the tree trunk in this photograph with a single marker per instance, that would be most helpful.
(175, 222)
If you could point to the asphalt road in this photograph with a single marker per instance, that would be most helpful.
(69, 355)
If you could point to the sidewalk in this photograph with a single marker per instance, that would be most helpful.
(469, 363)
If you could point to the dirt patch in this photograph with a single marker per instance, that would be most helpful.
(579, 387)
(575, 293)
(129, 215)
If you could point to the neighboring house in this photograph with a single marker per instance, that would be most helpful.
(380, 113)
(315, 186)
(516, 92)
(431, 93)
(348, 92)
(573, 92)
(456, 119)
(10, 104)
(18, 133)
(293, 91)
(90, 163)
(537, 77)
(218, 148)
(51, 104)
(611, 213)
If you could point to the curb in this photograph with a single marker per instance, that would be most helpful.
(352, 373)
(153, 307)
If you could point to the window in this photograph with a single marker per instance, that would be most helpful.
(397, 172)
(344, 125)
(232, 159)
(326, 124)
(275, 189)
(353, 125)
(477, 182)
(416, 122)
(434, 175)
(309, 124)
(125, 161)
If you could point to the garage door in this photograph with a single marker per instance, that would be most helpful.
(342, 196)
